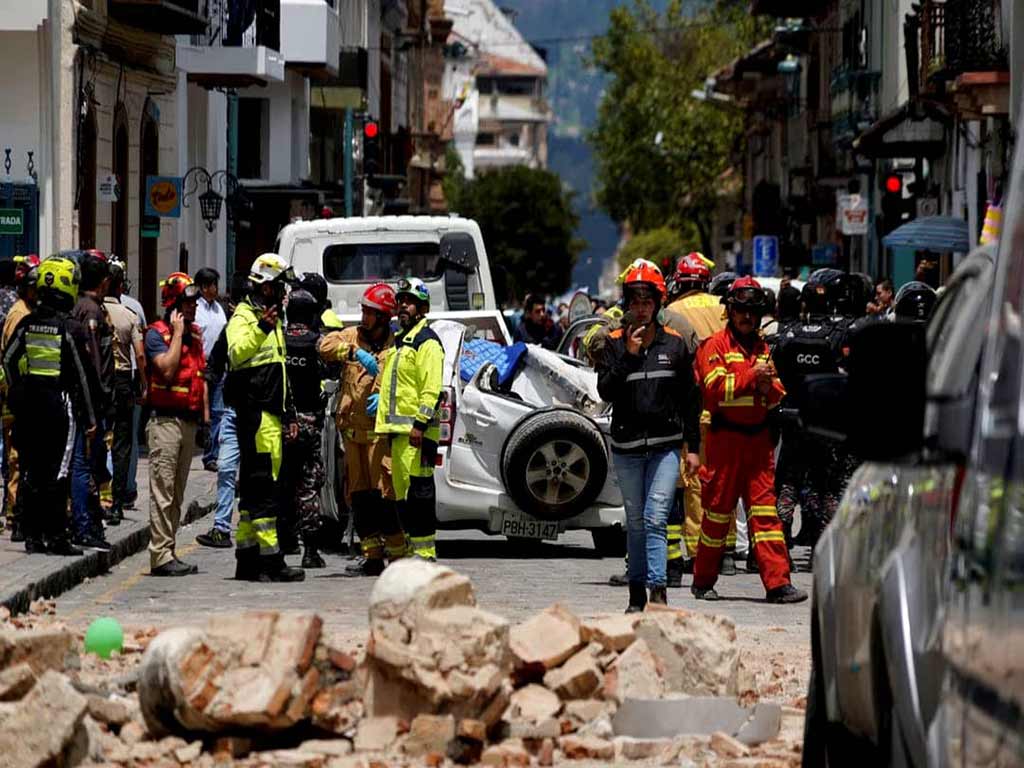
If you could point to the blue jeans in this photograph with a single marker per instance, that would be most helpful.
(648, 485)
(132, 487)
(227, 471)
(216, 414)
(87, 473)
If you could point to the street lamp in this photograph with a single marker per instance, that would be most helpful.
(211, 201)
(209, 208)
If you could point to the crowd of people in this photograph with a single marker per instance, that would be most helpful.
(704, 442)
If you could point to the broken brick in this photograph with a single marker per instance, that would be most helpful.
(576, 747)
(546, 640)
(578, 678)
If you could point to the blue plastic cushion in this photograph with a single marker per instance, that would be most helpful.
(477, 352)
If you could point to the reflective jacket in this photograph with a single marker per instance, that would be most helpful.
(411, 384)
(726, 372)
(256, 362)
(185, 392)
(656, 402)
(703, 310)
(356, 383)
(329, 321)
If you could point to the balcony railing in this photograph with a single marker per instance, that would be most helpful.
(242, 24)
(959, 36)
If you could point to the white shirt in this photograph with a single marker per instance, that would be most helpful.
(135, 307)
(210, 317)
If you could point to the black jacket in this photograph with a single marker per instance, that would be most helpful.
(656, 402)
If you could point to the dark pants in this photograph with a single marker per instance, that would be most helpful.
(124, 408)
(303, 477)
(259, 484)
(44, 435)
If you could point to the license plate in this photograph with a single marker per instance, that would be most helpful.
(524, 526)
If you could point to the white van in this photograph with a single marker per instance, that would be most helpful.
(446, 252)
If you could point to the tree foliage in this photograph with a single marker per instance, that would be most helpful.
(663, 246)
(660, 152)
(527, 221)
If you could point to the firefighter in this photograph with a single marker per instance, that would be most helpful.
(406, 411)
(361, 351)
(51, 382)
(740, 388)
(257, 388)
(811, 346)
(328, 320)
(704, 313)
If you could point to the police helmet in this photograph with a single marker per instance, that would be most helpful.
(302, 307)
(316, 286)
(915, 301)
(720, 283)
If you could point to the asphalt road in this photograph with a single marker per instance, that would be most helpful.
(508, 580)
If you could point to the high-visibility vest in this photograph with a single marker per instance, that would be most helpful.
(42, 350)
(185, 391)
(411, 383)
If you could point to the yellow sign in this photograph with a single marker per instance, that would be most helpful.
(163, 196)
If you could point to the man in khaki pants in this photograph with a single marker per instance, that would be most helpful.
(178, 399)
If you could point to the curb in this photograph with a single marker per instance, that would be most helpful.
(48, 577)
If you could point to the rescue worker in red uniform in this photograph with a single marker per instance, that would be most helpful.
(740, 387)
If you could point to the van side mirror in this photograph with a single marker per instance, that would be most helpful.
(459, 249)
(879, 406)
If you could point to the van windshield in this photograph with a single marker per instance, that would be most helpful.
(370, 262)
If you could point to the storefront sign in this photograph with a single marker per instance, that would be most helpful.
(852, 214)
(12, 221)
(107, 189)
(163, 196)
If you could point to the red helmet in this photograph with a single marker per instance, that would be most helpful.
(747, 292)
(23, 265)
(644, 273)
(178, 285)
(693, 266)
(381, 297)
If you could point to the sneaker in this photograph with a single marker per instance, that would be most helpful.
(210, 466)
(63, 548)
(704, 594)
(364, 567)
(216, 538)
(787, 593)
(172, 568)
(728, 565)
(619, 580)
(92, 542)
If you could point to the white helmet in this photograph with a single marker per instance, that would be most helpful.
(269, 267)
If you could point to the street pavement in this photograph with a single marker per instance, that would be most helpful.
(509, 580)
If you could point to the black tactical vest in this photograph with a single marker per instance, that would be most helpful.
(303, 363)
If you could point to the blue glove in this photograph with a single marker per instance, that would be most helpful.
(368, 361)
(371, 404)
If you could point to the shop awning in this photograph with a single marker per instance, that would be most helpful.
(931, 233)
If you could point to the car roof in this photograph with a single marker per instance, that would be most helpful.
(339, 225)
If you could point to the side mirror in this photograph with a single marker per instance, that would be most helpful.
(458, 248)
(878, 408)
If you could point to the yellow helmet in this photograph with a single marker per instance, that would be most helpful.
(59, 274)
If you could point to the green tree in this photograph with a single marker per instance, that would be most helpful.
(454, 181)
(663, 246)
(527, 221)
(660, 152)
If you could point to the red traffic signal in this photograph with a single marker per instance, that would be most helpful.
(371, 129)
(893, 183)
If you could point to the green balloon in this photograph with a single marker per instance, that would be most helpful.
(103, 637)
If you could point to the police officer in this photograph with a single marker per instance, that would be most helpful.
(316, 285)
(257, 388)
(51, 383)
(915, 301)
(303, 459)
(360, 351)
(812, 346)
(410, 394)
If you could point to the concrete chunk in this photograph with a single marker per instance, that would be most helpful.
(42, 727)
(634, 675)
(42, 648)
(614, 631)
(376, 734)
(577, 747)
(429, 733)
(578, 678)
(16, 681)
(546, 640)
(697, 653)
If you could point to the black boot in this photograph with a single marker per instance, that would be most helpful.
(637, 597)
(115, 515)
(63, 547)
(311, 558)
(752, 562)
(247, 564)
(659, 596)
(274, 568)
(619, 579)
(364, 567)
(676, 569)
(34, 545)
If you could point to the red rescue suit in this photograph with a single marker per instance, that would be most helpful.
(185, 393)
(739, 459)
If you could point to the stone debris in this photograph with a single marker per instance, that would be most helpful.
(441, 683)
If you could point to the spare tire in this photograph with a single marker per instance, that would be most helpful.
(554, 464)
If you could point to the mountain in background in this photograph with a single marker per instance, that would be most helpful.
(562, 29)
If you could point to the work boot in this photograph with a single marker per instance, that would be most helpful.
(273, 568)
(787, 593)
(367, 566)
(311, 558)
(62, 547)
(637, 597)
(114, 516)
(17, 532)
(659, 596)
(172, 568)
(676, 569)
(191, 567)
(752, 562)
(704, 594)
(247, 564)
(728, 565)
(619, 580)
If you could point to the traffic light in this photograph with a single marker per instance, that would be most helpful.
(371, 147)
(893, 206)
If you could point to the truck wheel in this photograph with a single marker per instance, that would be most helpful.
(555, 464)
(610, 541)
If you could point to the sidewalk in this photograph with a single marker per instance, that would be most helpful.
(24, 577)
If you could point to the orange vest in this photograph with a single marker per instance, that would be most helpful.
(185, 392)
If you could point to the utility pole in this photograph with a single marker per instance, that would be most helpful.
(233, 170)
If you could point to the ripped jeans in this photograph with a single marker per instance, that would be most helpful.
(648, 485)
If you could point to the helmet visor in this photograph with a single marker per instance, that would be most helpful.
(754, 298)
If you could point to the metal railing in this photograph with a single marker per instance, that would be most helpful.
(960, 36)
(242, 23)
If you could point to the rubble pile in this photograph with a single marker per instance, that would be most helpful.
(442, 683)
